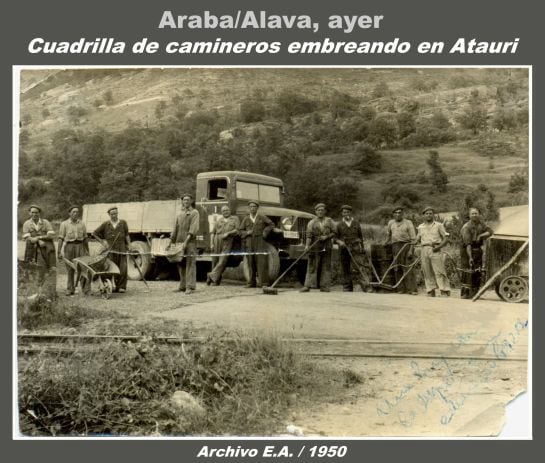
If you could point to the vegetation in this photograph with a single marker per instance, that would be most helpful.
(240, 385)
(350, 135)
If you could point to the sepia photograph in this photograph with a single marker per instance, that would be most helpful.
(271, 251)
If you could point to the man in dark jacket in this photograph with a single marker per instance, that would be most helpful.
(352, 252)
(253, 231)
(116, 233)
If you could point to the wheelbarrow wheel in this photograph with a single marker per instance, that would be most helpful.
(513, 289)
(107, 288)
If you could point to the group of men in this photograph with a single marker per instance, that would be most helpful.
(321, 234)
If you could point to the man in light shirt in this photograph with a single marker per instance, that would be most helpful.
(401, 235)
(433, 237)
(72, 244)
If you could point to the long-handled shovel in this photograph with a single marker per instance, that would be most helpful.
(139, 271)
(271, 290)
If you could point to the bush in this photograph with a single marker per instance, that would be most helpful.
(504, 120)
(289, 103)
(367, 159)
(252, 111)
(518, 182)
(243, 384)
(487, 145)
(382, 132)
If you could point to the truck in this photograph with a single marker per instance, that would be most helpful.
(151, 223)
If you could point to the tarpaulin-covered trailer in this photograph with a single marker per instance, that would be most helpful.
(507, 256)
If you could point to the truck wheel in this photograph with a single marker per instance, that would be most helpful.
(274, 264)
(142, 257)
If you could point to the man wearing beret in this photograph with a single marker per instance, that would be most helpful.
(73, 243)
(185, 233)
(350, 241)
(38, 235)
(223, 234)
(254, 229)
(116, 233)
(401, 235)
(433, 237)
(320, 230)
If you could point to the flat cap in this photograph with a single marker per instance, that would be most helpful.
(346, 207)
(71, 208)
(186, 195)
(427, 208)
(319, 205)
(253, 202)
(33, 206)
(111, 209)
(397, 209)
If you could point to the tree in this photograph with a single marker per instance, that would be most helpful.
(367, 159)
(340, 104)
(252, 110)
(382, 132)
(504, 120)
(289, 103)
(474, 117)
(518, 182)
(160, 109)
(108, 97)
(406, 123)
(438, 177)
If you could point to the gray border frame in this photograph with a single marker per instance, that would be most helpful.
(413, 21)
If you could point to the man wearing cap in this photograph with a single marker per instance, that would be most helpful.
(254, 229)
(350, 241)
(116, 233)
(473, 235)
(223, 234)
(320, 233)
(73, 243)
(185, 234)
(401, 235)
(38, 235)
(433, 237)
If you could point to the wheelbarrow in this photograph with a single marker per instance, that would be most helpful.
(99, 270)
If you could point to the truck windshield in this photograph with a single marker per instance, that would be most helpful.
(265, 193)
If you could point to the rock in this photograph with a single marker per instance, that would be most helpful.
(184, 402)
(294, 430)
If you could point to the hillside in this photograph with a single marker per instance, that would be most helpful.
(278, 120)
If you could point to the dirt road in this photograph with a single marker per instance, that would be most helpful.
(430, 366)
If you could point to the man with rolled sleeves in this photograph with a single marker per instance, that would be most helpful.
(73, 243)
(433, 237)
(322, 230)
(116, 233)
(185, 234)
(401, 235)
(38, 235)
(223, 234)
(254, 229)
(350, 241)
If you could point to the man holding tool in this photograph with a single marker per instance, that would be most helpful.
(321, 229)
(116, 233)
(401, 235)
(223, 234)
(73, 243)
(352, 252)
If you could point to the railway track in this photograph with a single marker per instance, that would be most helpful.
(58, 344)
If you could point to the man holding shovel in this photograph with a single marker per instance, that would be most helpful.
(352, 253)
(116, 234)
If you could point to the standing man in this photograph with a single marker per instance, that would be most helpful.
(254, 229)
(185, 233)
(350, 241)
(401, 235)
(223, 235)
(73, 243)
(116, 233)
(474, 233)
(321, 229)
(39, 248)
(433, 237)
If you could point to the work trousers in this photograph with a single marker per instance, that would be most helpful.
(71, 251)
(319, 269)
(408, 284)
(219, 263)
(471, 276)
(359, 268)
(121, 261)
(187, 267)
(433, 268)
(44, 271)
